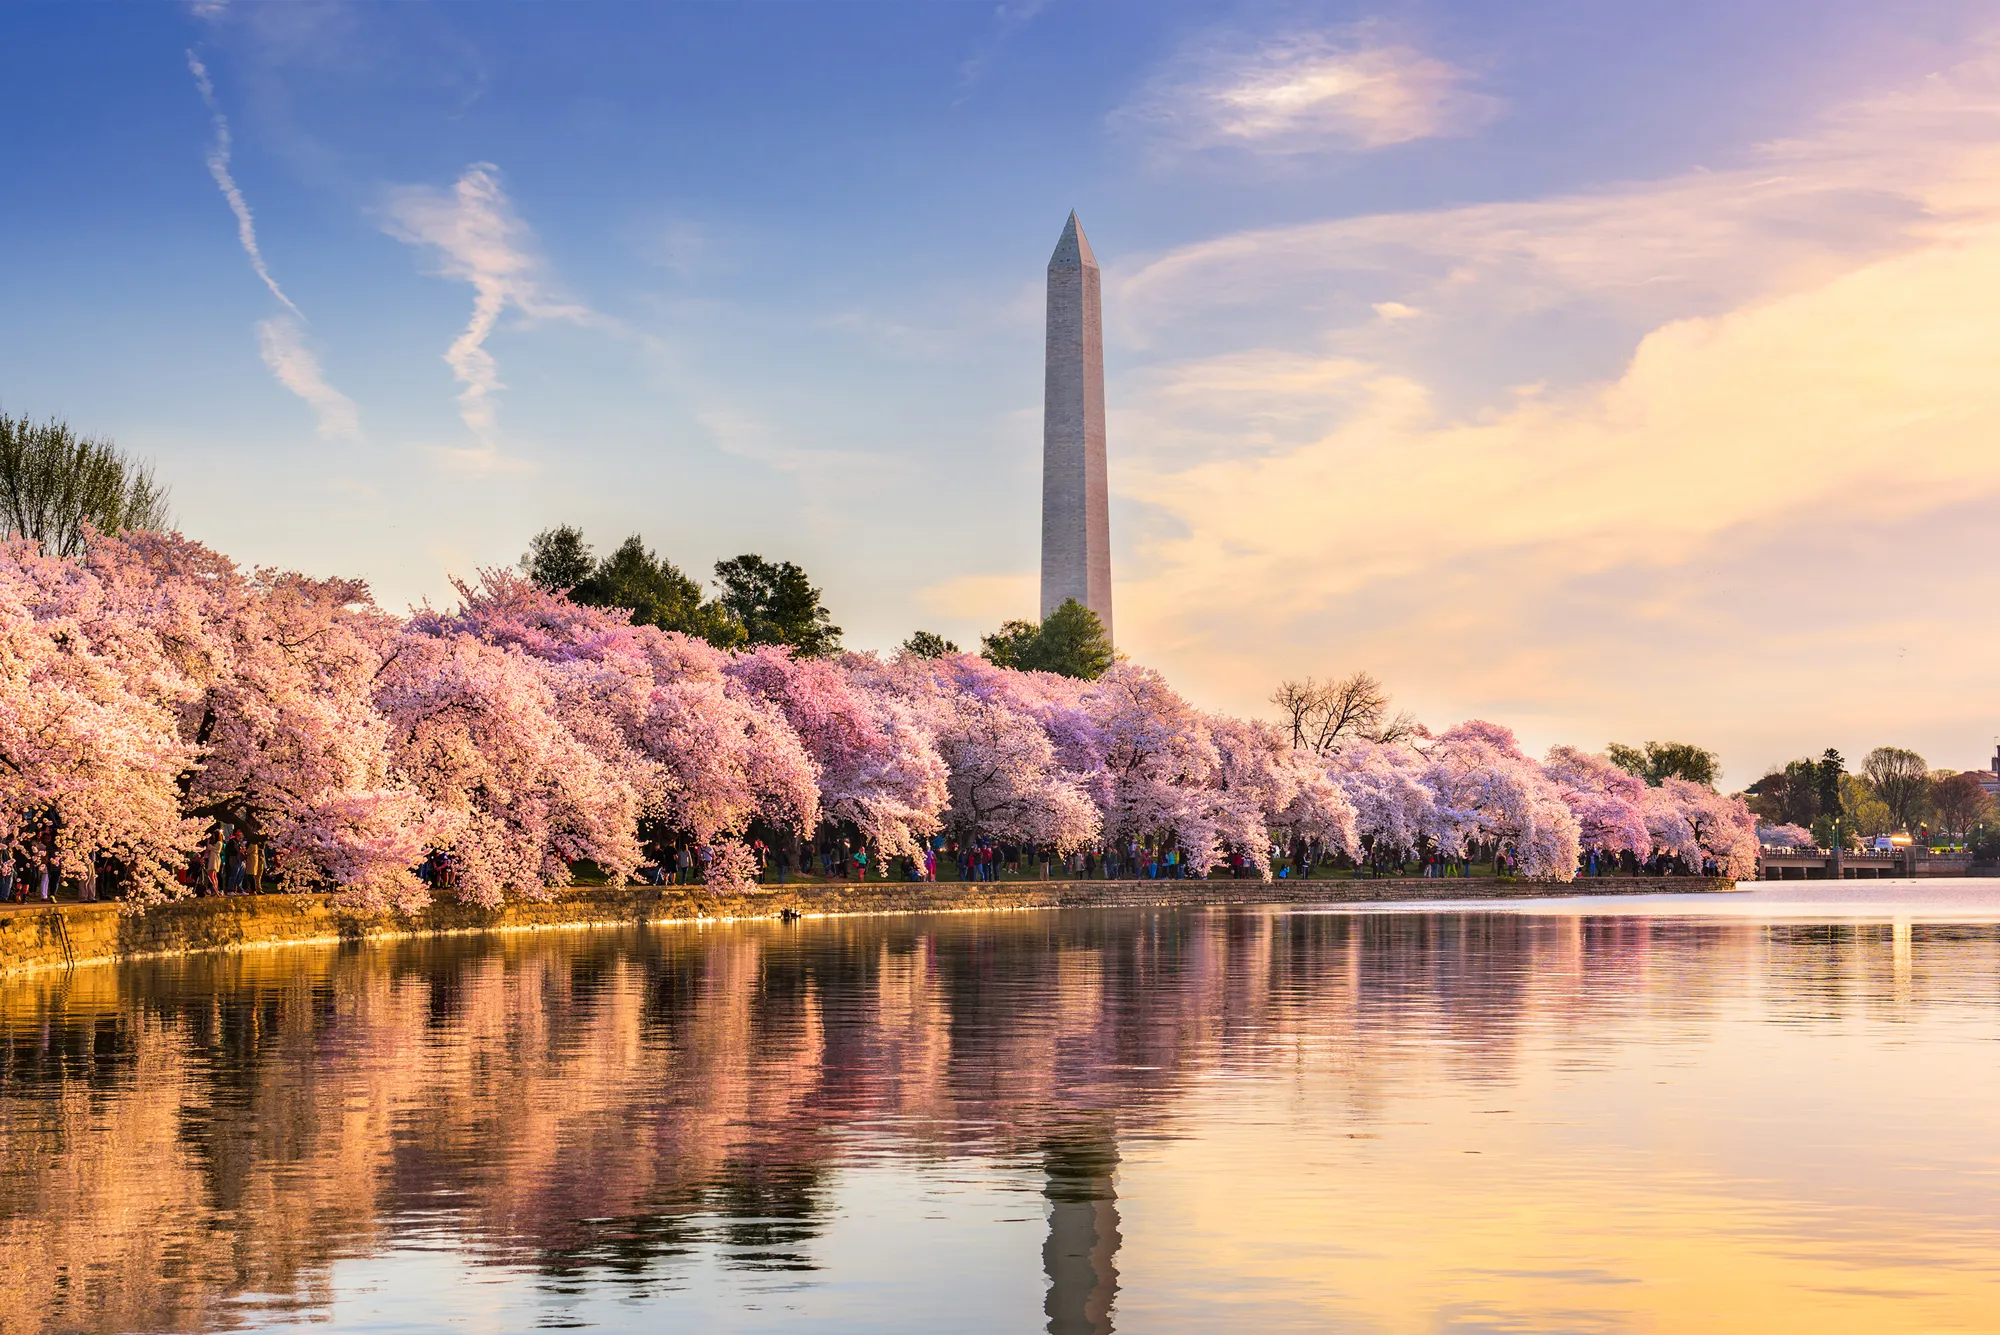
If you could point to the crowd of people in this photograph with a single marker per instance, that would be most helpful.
(34, 868)
(29, 864)
(845, 856)
(973, 858)
(229, 862)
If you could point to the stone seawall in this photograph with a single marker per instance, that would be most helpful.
(71, 934)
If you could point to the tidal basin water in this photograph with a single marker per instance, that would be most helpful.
(1772, 1111)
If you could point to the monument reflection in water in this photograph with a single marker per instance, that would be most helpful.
(1151, 1121)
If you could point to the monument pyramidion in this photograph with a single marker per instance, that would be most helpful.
(1076, 519)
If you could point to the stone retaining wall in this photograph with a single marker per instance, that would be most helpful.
(33, 938)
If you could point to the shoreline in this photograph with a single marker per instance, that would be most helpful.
(35, 938)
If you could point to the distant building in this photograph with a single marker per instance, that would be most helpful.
(1989, 779)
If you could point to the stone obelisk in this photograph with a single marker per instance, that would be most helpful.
(1076, 517)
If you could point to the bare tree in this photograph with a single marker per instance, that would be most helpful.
(1399, 728)
(1961, 801)
(1319, 714)
(56, 485)
(1901, 780)
(1299, 702)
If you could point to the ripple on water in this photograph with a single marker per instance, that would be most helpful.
(1769, 1110)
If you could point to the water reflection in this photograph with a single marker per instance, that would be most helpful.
(1291, 1121)
(1080, 1257)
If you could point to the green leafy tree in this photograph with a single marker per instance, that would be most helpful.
(633, 577)
(1658, 761)
(1832, 767)
(1984, 840)
(558, 558)
(1012, 645)
(777, 604)
(657, 594)
(1788, 796)
(926, 644)
(1071, 643)
(1901, 779)
(56, 485)
(1861, 810)
(1832, 829)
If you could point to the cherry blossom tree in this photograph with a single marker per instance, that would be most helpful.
(1161, 771)
(1394, 810)
(654, 708)
(1609, 803)
(1784, 836)
(877, 765)
(478, 731)
(89, 729)
(1002, 775)
(294, 750)
(1691, 820)
(1488, 792)
(150, 690)
(1267, 786)
(270, 676)
(725, 757)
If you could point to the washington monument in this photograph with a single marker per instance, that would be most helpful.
(1076, 519)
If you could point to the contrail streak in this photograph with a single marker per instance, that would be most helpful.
(218, 167)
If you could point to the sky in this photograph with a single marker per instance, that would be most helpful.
(1613, 372)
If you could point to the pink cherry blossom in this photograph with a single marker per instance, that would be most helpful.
(1690, 820)
(1488, 792)
(1383, 782)
(1002, 776)
(88, 724)
(1267, 788)
(1784, 836)
(877, 765)
(516, 796)
(270, 677)
(652, 707)
(1609, 804)
(152, 690)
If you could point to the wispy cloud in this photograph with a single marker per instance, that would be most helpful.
(1008, 19)
(1594, 269)
(218, 167)
(749, 437)
(479, 239)
(681, 246)
(1809, 362)
(1306, 93)
(281, 340)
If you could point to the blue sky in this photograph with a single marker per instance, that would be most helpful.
(1483, 346)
